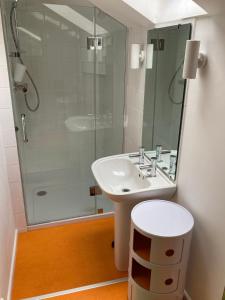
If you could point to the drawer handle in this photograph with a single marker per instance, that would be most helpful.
(170, 252)
(168, 281)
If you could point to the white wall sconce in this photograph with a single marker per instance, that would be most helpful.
(193, 59)
(137, 56)
(141, 54)
(149, 56)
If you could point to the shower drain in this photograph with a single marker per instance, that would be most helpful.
(125, 190)
(41, 193)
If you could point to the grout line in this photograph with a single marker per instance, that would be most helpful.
(79, 289)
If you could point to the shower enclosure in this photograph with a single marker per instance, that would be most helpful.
(75, 55)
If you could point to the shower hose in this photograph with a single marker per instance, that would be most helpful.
(15, 40)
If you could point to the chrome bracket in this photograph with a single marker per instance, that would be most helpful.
(94, 43)
(95, 190)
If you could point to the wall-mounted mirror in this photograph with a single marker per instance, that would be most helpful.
(164, 96)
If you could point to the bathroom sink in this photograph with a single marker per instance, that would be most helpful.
(122, 181)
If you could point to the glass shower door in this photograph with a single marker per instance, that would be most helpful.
(56, 159)
(110, 92)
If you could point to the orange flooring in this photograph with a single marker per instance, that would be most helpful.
(111, 292)
(64, 257)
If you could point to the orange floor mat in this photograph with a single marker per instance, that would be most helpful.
(116, 291)
(64, 257)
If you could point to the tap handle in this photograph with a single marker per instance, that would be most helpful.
(154, 165)
(158, 152)
(141, 155)
(141, 151)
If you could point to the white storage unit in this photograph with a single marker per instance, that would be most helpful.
(159, 250)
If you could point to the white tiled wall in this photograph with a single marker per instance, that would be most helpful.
(9, 139)
(134, 95)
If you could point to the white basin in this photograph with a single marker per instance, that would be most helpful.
(121, 180)
(115, 175)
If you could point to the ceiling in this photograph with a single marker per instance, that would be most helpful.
(212, 6)
(130, 17)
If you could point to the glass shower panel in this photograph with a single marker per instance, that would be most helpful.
(61, 134)
(110, 68)
(81, 88)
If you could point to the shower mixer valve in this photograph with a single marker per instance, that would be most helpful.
(21, 87)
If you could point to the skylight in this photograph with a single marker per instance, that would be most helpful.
(161, 11)
(74, 17)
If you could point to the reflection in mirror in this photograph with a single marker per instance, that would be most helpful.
(164, 96)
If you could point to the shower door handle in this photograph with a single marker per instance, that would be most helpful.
(24, 130)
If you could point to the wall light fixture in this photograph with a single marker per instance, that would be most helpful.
(193, 59)
(141, 54)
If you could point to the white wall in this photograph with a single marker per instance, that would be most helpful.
(201, 185)
(7, 225)
(135, 91)
(201, 170)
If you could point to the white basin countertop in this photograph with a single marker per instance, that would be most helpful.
(119, 175)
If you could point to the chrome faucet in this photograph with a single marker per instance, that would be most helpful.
(145, 167)
(140, 154)
(153, 168)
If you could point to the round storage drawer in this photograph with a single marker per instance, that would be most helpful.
(158, 231)
(164, 279)
(135, 292)
(166, 251)
(162, 251)
(155, 278)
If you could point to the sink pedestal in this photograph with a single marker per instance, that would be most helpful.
(122, 181)
(122, 234)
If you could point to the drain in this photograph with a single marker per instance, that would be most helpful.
(125, 190)
(41, 193)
